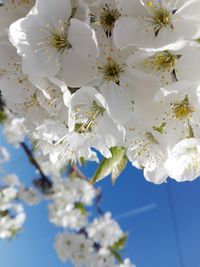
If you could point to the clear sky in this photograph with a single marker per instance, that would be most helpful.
(163, 221)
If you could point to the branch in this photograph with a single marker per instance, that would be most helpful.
(79, 173)
(32, 159)
(98, 201)
(74, 169)
(44, 182)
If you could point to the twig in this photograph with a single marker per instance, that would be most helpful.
(73, 169)
(79, 173)
(44, 182)
(98, 201)
(32, 159)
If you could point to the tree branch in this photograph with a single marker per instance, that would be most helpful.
(32, 159)
(74, 169)
(45, 183)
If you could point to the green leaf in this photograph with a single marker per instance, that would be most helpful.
(107, 165)
(160, 128)
(198, 40)
(116, 254)
(120, 244)
(83, 161)
(14, 232)
(116, 171)
(3, 117)
(34, 145)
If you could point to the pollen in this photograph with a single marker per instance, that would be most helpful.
(87, 116)
(159, 18)
(56, 38)
(112, 71)
(162, 18)
(106, 19)
(162, 61)
(182, 109)
(144, 146)
(149, 4)
(59, 41)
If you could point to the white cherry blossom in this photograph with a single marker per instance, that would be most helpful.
(168, 66)
(145, 149)
(61, 45)
(183, 161)
(104, 14)
(89, 116)
(156, 24)
(179, 111)
(105, 231)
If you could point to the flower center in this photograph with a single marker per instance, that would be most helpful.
(159, 18)
(55, 38)
(162, 61)
(106, 19)
(59, 41)
(182, 109)
(111, 71)
(162, 17)
(89, 115)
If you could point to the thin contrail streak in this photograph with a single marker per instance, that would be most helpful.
(135, 212)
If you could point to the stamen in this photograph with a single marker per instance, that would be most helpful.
(106, 19)
(54, 38)
(182, 109)
(159, 18)
(59, 42)
(144, 146)
(111, 71)
(151, 139)
(162, 62)
(90, 115)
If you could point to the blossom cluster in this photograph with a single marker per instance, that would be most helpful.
(106, 74)
(84, 243)
(12, 214)
(87, 239)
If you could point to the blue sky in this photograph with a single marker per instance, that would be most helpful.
(163, 221)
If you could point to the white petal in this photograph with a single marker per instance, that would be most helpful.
(82, 39)
(156, 176)
(47, 8)
(77, 71)
(183, 163)
(131, 8)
